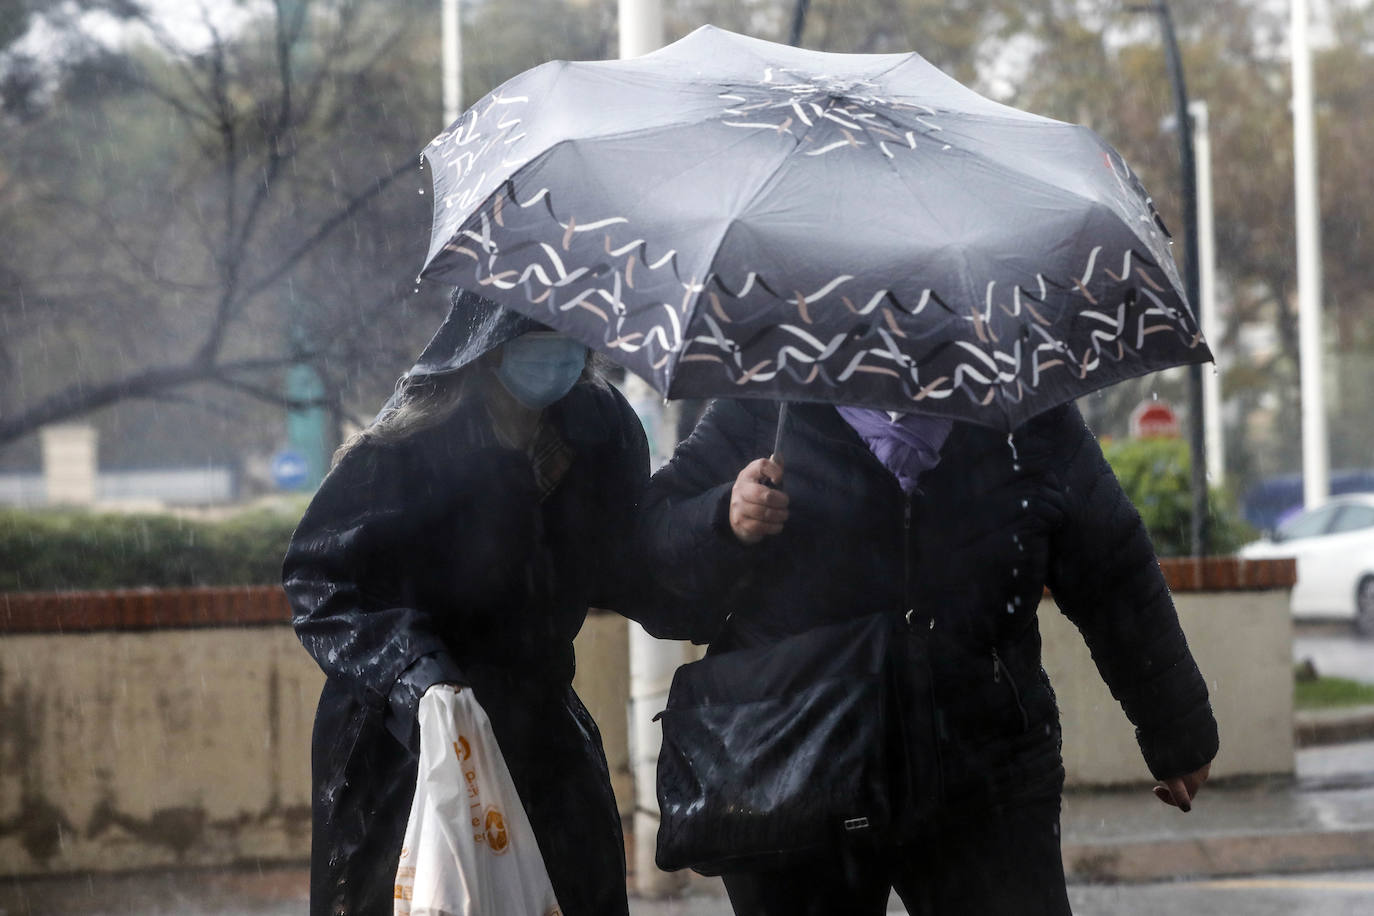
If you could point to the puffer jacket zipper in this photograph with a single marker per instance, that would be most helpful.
(906, 557)
(999, 669)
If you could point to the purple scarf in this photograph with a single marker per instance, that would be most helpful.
(906, 445)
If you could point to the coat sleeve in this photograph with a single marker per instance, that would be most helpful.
(623, 468)
(348, 599)
(683, 535)
(1105, 577)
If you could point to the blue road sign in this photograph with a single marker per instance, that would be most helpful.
(290, 469)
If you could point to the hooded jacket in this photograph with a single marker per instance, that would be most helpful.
(432, 559)
(964, 561)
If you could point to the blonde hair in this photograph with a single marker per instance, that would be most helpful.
(422, 401)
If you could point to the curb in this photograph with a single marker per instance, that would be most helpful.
(1219, 856)
(1317, 727)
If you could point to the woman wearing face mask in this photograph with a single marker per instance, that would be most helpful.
(460, 539)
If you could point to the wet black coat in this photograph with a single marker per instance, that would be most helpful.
(430, 560)
(989, 529)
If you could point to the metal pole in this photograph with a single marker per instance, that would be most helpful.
(1207, 299)
(1316, 474)
(641, 27)
(309, 431)
(798, 23)
(451, 35)
(652, 661)
(794, 39)
(1187, 167)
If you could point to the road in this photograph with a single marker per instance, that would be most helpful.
(1341, 894)
(1335, 651)
(1336, 894)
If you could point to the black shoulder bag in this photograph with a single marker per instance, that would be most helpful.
(775, 752)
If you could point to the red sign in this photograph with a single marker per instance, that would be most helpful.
(1154, 420)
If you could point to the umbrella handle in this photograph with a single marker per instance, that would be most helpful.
(777, 441)
(777, 437)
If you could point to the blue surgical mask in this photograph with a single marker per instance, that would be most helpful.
(540, 367)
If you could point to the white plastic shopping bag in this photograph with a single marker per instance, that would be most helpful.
(469, 849)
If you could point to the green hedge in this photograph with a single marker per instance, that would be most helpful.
(68, 549)
(1331, 693)
(1157, 475)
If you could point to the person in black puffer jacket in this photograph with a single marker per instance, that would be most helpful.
(964, 559)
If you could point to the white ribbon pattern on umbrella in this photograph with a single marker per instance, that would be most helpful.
(813, 98)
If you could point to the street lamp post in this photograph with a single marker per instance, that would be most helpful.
(451, 37)
(308, 428)
(1188, 169)
(652, 661)
(1316, 474)
(798, 23)
(1207, 297)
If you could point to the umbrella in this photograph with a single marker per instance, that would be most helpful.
(732, 217)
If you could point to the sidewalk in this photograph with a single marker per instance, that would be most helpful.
(1323, 821)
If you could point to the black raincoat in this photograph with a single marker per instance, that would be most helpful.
(965, 560)
(432, 559)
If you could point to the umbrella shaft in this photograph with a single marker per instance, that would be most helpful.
(777, 438)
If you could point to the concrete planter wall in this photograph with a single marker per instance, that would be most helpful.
(160, 728)
(1235, 614)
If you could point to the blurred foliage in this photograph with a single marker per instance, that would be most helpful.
(1157, 476)
(1329, 692)
(69, 549)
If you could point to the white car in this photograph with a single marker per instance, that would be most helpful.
(1334, 547)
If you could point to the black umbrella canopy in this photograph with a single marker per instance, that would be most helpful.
(732, 217)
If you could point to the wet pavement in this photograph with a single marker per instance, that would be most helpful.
(1317, 894)
(1335, 651)
(1335, 791)
(1349, 764)
(1287, 833)
(1333, 894)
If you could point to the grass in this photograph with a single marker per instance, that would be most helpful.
(1331, 692)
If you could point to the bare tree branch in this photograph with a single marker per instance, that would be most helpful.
(180, 59)
(112, 231)
(326, 226)
(276, 399)
(80, 398)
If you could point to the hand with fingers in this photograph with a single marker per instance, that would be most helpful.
(1180, 791)
(758, 507)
